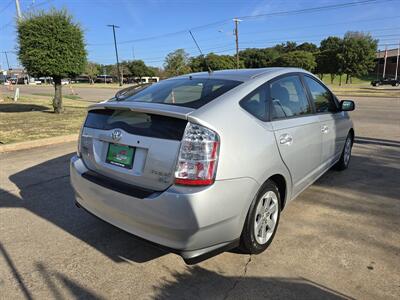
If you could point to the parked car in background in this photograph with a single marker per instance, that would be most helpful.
(206, 162)
(386, 81)
(104, 79)
(13, 80)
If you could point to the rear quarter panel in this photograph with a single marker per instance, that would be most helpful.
(248, 146)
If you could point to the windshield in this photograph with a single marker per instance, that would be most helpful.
(188, 92)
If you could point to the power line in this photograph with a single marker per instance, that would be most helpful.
(7, 6)
(273, 14)
(314, 9)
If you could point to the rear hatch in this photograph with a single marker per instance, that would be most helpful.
(135, 143)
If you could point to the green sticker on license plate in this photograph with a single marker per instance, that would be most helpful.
(120, 155)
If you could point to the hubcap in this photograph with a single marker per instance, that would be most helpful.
(266, 217)
(347, 151)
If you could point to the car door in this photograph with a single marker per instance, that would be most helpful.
(297, 130)
(330, 119)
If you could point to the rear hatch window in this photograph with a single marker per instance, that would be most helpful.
(188, 92)
(138, 123)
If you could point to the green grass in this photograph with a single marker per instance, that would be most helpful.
(359, 87)
(72, 97)
(354, 81)
(31, 119)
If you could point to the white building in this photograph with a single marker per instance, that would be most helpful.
(146, 79)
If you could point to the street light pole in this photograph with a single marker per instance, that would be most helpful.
(116, 53)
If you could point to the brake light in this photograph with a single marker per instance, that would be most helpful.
(198, 156)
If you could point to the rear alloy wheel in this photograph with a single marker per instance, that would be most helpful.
(262, 220)
(344, 160)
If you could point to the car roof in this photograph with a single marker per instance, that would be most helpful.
(243, 74)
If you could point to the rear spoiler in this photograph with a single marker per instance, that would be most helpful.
(174, 111)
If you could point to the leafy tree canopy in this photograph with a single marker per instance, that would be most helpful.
(309, 47)
(258, 58)
(299, 59)
(177, 63)
(138, 68)
(214, 61)
(359, 50)
(92, 70)
(51, 44)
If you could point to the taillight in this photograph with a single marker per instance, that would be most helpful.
(198, 156)
(79, 148)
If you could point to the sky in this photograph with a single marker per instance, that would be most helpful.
(150, 29)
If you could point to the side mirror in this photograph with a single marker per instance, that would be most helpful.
(347, 105)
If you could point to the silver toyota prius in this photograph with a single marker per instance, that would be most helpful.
(206, 162)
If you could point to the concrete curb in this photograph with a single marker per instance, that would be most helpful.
(38, 143)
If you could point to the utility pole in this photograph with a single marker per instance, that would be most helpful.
(18, 9)
(236, 20)
(397, 61)
(384, 63)
(8, 64)
(116, 53)
(133, 52)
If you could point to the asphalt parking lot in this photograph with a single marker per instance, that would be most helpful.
(339, 239)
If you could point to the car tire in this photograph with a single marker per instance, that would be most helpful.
(344, 160)
(262, 220)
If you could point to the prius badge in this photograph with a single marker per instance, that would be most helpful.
(116, 135)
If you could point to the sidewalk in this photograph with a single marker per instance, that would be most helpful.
(38, 143)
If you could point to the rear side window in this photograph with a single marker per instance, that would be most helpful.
(256, 103)
(322, 98)
(188, 92)
(138, 123)
(288, 98)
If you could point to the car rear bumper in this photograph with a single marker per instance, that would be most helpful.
(190, 221)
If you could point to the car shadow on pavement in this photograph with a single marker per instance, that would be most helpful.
(199, 283)
(376, 173)
(45, 190)
(374, 141)
(49, 195)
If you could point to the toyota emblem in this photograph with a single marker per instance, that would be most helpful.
(116, 135)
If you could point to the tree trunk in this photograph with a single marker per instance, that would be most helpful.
(347, 78)
(57, 100)
(340, 80)
(332, 78)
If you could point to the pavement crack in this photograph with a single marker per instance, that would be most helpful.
(239, 278)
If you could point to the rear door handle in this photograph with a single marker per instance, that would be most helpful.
(324, 129)
(286, 139)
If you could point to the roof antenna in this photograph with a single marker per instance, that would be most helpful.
(202, 55)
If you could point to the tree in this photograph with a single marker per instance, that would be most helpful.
(358, 54)
(329, 58)
(308, 47)
(51, 44)
(139, 69)
(92, 70)
(286, 47)
(177, 63)
(214, 61)
(299, 59)
(258, 58)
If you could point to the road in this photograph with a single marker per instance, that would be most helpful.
(92, 94)
(338, 239)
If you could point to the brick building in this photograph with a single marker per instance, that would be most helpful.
(390, 63)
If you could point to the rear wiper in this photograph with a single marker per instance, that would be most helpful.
(130, 91)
